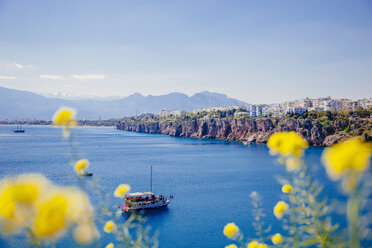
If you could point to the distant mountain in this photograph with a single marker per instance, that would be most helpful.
(18, 104)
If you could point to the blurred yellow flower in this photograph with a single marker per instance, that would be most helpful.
(230, 230)
(121, 190)
(79, 209)
(85, 233)
(65, 117)
(293, 163)
(350, 156)
(61, 207)
(287, 144)
(26, 193)
(109, 227)
(277, 239)
(51, 217)
(111, 245)
(7, 208)
(17, 197)
(280, 208)
(81, 165)
(287, 189)
(253, 244)
(32, 202)
(18, 193)
(231, 246)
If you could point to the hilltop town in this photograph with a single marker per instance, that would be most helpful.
(298, 107)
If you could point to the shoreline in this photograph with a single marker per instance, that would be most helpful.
(43, 125)
(254, 130)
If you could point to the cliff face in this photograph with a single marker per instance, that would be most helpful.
(250, 130)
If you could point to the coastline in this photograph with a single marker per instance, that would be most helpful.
(43, 125)
(253, 130)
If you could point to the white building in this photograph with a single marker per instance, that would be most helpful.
(331, 105)
(243, 114)
(215, 109)
(305, 103)
(253, 111)
(166, 113)
(297, 110)
(256, 110)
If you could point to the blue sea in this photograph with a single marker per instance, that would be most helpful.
(211, 180)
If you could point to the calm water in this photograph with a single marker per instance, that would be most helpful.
(210, 180)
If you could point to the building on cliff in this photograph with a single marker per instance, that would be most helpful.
(257, 110)
(166, 113)
(215, 109)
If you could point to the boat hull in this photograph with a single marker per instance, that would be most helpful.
(87, 174)
(140, 207)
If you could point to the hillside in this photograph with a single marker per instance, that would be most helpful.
(319, 129)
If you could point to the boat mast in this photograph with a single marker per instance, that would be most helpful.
(151, 180)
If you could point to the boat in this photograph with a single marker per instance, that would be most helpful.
(144, 200)
(86, 174)
(19, 130)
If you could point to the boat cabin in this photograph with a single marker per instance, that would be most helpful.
(139, 201)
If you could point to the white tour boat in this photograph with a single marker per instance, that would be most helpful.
(144, 200)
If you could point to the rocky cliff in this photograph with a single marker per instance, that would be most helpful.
(254, 130)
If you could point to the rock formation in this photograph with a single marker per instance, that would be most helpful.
(251, 130)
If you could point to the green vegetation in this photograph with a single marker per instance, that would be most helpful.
(355, 123)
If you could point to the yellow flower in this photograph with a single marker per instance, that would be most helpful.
(292, 163)
(22, 193)
(61, 207)
(51, 217)
(25, 193)
(287, 144)
(287, 189)
(121, 190)
(65, 117)
(81, 165)
(31, 201)
(111, 245)
(7, 209)
(109, 227)
(253, 244)
(18, 191)
(80, 209)
(280, 208)
(350, 156)
(231, 246)
(277, 239)
(230, 230)
(85, 233)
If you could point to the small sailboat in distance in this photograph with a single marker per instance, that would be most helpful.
(86, 174)
(144, 200)
(19, 130)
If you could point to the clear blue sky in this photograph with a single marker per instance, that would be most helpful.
(256, 51)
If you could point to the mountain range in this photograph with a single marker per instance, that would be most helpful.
(19, 104)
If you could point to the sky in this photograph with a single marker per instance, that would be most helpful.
(261, 51)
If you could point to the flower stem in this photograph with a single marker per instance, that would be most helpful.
(353, 206)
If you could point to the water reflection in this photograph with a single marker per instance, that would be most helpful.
(155, 213)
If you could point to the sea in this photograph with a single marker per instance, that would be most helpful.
(211, 180)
